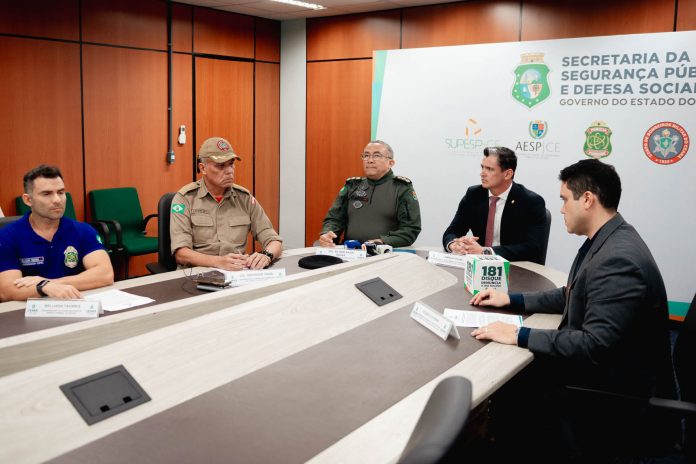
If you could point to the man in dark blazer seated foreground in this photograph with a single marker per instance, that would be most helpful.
(504, 217)
(613, 335)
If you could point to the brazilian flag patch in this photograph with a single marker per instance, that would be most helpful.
(178, 208)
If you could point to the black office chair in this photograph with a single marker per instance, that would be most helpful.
(165, 260)
(547, 233)
(6, 220)
(683, 356)
(438, 433)
(101, 228)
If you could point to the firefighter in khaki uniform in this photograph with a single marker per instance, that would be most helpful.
(380, 207)
(211, 218)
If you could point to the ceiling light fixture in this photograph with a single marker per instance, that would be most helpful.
(311, 6)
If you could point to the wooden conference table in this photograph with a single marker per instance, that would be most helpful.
(305, 368)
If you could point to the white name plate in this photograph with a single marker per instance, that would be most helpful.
(343, 253)
(239, 278)
(447, 259)
(50, 307)
(465, 318)
(434, 321)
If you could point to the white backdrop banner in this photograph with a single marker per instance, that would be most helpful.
(629, 100)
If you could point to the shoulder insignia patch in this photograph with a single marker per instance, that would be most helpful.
(354, 179)
(189, 188)
(239, 188)
(403, 179)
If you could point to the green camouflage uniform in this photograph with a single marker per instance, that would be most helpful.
(369, 209)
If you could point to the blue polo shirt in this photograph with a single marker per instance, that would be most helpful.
(23, 249)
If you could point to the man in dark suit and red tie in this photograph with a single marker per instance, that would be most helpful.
(504, 217)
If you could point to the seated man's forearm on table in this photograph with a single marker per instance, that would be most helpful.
(99, 273)
(185, 256)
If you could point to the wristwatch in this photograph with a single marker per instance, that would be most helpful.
(40, 286)
(488, 251)
(268, 254)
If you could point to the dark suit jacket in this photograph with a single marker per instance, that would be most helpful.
(614, 337)
(614, 329)
(522, 227)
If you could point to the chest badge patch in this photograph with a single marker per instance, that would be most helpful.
(70, 257)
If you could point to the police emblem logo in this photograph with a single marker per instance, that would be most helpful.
(70, 254)
(357, 204)
(666, 143)
(598, 140)
(178, 208)
(531, 85)
(222, 145)
(538, 129)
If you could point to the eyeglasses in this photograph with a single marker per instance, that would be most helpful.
(375, 156)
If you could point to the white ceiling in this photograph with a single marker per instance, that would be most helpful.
(281, 11)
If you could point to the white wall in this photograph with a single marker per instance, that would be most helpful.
(293, 114)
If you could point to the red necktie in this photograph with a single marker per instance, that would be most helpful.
(491, 220)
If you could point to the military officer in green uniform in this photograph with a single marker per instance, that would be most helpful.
(380, 207)
(211, 218)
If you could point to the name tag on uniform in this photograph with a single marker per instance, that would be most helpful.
(343, 253)
(434, 321)
(447, 259)
(50, 307)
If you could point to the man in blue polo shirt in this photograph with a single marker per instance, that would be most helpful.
(45, 254)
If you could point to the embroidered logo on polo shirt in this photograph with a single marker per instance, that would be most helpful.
(70, 257)
(35, 261)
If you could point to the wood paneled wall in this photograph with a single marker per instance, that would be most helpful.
(338, 127)
(267, 139)
(339, 55)
(109, 90)
(40, 117)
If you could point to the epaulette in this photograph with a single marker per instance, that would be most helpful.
(354, 179)
(189, 187)
(241, 189)
(403, 179)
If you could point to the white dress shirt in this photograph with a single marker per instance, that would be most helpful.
(499, 207)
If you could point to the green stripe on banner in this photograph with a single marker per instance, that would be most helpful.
(379, 61)
(677, 309)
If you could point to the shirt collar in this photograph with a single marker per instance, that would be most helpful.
(503, 195)
(203, 191)
(382, 179)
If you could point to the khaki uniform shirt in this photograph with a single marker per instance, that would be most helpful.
(202, 224)
(368, 209)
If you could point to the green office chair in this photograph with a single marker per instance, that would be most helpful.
(22, 208)
(120, 209)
